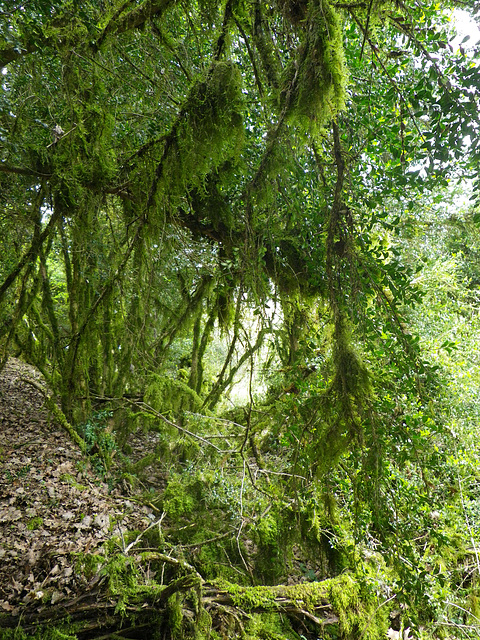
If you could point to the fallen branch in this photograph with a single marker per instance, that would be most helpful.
(99, 614)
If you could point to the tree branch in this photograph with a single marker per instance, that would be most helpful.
(31, 255)
(133, 19)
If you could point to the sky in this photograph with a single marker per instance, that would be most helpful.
(465, 26)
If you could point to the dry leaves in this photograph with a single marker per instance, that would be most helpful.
(52, 506)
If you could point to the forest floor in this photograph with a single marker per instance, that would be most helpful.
(59, 523)
(53, 508)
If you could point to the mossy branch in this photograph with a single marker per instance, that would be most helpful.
(134, 19)
(32, 252)
(336, 601)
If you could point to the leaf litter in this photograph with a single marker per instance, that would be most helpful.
(52, 505)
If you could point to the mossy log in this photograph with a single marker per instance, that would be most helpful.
(148, 611)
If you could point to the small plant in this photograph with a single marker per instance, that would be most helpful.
(100, 443)
(21, 473)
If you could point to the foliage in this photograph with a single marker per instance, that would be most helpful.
(171, 397)
(100, 444)
(200, 194)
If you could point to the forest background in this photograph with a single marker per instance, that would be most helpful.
(250, 229)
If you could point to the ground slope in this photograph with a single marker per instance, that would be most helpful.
(53, 508)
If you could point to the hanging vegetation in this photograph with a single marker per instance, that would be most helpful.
(217, 224)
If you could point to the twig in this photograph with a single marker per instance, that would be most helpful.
(452, 604)
(242, 523)
(144, 406)
(216, 419)
(281, 473)
(64, 135)
(138, 538)
(157, 555)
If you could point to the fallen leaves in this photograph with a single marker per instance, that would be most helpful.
(52, 507)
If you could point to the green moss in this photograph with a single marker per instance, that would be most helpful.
(309, 594)
(209, 131)
(269, 627)
(177, 499)
(175, 616)
(320, 70)
(88, 564)
(67, 477)
(306, 595)
(344, 595)
(123, 580)
(267, 530)
(35, 523)
(204, 625)
(357, 611)
(251, 598)
(352, 377)
(167, 395)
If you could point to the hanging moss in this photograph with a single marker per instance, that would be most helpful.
(208, 132)
(210, 204)
(209, 12)
(347, 397)
(225, 307)
(294, 10)
(351, 375)
(320, 70)
(167, 395)
(265, 47)
(99, 167)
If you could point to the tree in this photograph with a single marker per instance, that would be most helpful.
(174, 167)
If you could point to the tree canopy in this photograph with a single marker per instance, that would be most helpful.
(195, 194)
